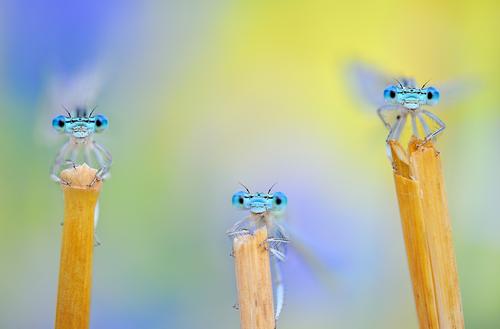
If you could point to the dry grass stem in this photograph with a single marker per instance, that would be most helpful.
(427, 233)
(254, 282)
(75, 272)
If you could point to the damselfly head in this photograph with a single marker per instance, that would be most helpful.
(81, 125)
(259, 203)
(411, 98)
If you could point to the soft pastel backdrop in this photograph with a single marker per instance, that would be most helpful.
(203, 95)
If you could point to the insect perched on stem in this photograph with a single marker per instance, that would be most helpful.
(407, 99)
(403, 98)
(80, 128)
(265, 210)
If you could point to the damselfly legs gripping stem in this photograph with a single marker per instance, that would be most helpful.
(406, 99)
(265, 209)
(80, 148)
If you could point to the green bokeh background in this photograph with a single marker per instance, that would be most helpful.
(202, 96)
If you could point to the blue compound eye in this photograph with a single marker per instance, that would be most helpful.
(59, 122)
(239, 199)
(390, 94)
(279, 201)
(432, 96)
(101, 123)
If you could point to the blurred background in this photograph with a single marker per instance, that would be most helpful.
(201, 96)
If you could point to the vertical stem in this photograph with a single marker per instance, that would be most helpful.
(425, 163)
(427, 233)
(254, 282)
(417, 251)
(75, 272)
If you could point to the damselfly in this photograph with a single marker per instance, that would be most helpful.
(82, 148)
(407, 99)
(265, 210)
(396, 99)
(80, 128)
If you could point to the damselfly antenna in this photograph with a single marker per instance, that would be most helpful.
(92, 112)
(399, 83)
(271, 188)
(65, 109)
(246, 188)
(425, 84)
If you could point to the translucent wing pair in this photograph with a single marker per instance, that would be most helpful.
(266, 210)
(66, 105)
(397, 100)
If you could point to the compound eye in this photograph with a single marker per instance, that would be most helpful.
(59, 122)
(390, 94)
(239, 199)
(432, 95)
(279, 201)
(101, 123)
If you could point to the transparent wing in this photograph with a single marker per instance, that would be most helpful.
(390, 114)
(456, 91)
(319, 267)
(279, 288)
(242, 227)
(367, 83)
(62, 91)
(278, 242)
